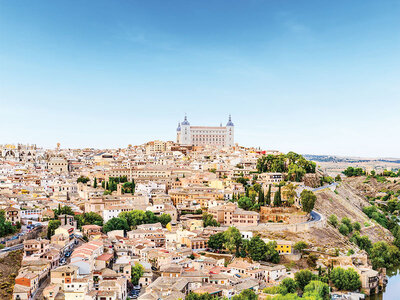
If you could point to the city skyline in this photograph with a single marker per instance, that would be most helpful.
(315, 78)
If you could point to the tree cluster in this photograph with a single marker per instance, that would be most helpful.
(137, 272)
(131, 219)
(64, 210)
(51, 227)
(208, 220)
(350, 172)
(308, 200)
(83, 179)
(112, 184)
(345, 279)
(6, 227)
(255, 248)
(292, 163)
(89, 219)
(305, 281)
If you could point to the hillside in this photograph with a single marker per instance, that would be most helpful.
(9, 266)
(348, 201)
(363, 186)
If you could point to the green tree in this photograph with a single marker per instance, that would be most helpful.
(303, 277)
(312, 260)
(246, 295)
(204, 296)
(333, 220)
(348, 280)
(347, 222)
(216, 241)
(137, 272)
(95, 183)
(363, 242)
(343, 229)
(165, 219)
(268, 196)
(288, 285)
(83, 179)
(357, 226)
(295, 172)
(233, 239)
(307, 199)
(139, 217)
(6, 227)
(317, 288)
(261, 197)
(51, 227)
(245, 203)
(242, 180)
(65, 210)
(278, 198)
(383, 255)
(272, 254)
(116, 224)
(300, 246)
(290, 194)
(208, 220)
(88, 219)
(259, 250)
(350, 171)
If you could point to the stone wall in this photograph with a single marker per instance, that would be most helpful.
(286, 215)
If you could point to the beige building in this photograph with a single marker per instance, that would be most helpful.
(58, 164)
(220, 136)
(229, 214)
(12, 215)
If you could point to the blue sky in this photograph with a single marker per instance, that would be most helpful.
(319, 77)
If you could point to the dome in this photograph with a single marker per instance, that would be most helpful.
(179, 127)
(230, 122)
(185, 121)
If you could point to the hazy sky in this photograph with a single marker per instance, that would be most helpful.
(319, 77)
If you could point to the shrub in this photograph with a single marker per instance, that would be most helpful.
(333, 220)
(343, 229)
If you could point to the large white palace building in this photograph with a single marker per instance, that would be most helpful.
(222, 136)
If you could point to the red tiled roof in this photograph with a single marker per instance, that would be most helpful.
(105, 257)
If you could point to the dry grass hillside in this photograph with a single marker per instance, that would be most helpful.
(324, 238)
(9, 266)
(363, 186)
(348, 201)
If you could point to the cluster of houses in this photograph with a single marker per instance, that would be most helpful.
(168, 178)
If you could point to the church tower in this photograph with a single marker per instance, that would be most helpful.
(186, 139)
(230, 133)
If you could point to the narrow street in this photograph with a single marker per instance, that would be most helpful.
(39, 292)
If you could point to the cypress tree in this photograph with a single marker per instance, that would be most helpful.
(133, 186)
(261, 197)
(267, 199)
(95, 183)
(107, 186)
(277, 197)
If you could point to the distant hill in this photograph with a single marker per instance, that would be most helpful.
(349, 159)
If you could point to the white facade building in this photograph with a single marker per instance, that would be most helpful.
(222, 136)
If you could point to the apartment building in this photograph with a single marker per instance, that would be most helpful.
(229, 214)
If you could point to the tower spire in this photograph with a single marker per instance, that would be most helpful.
(230, 123)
